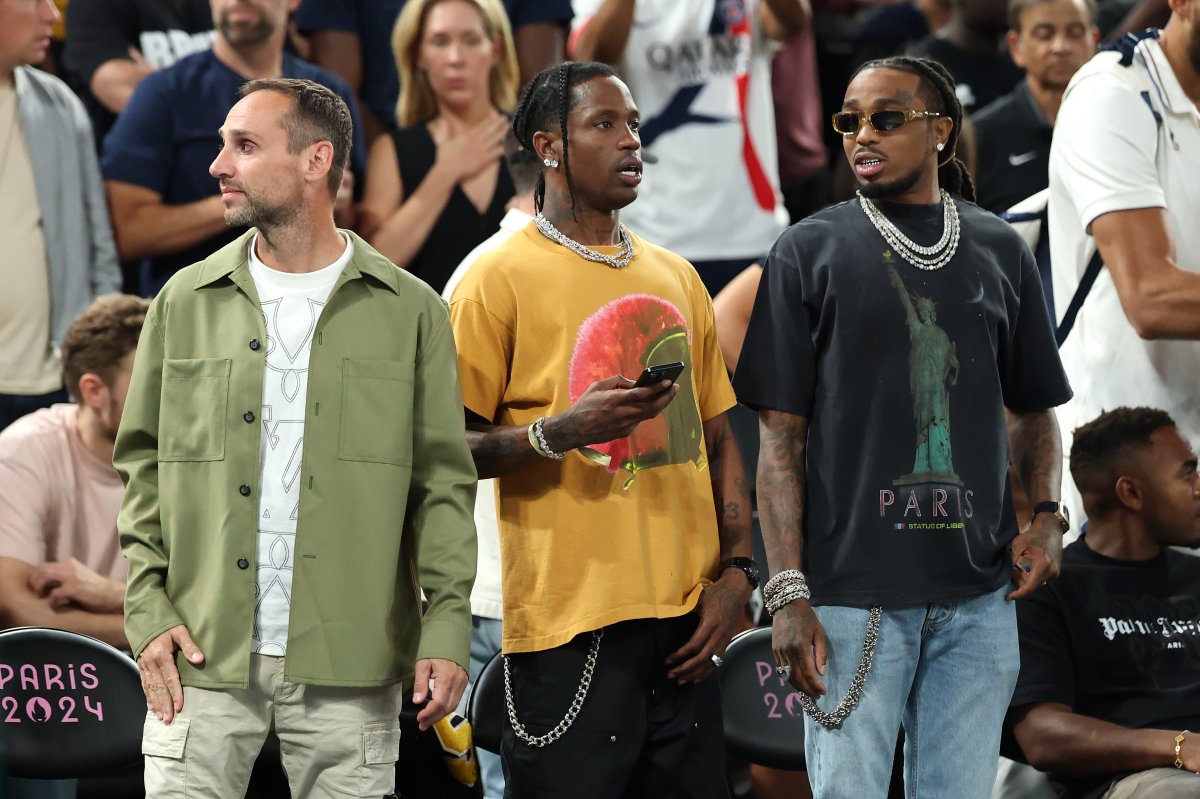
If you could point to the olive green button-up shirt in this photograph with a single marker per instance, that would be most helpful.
(387, 478)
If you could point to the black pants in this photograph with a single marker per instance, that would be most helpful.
(638, 735)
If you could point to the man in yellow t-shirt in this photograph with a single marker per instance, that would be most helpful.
(624, 515)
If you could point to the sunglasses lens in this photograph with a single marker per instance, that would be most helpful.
(846, 122)
(887, 120)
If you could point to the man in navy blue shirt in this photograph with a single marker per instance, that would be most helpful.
(166, 208)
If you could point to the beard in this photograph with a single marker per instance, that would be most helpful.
(884, 190)
(255, 213)
(243, 33)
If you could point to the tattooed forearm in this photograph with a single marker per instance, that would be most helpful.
(1035, 448)
(500, 450)
(729, 489)
(781, 486)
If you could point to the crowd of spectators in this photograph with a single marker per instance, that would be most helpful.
(109, 118)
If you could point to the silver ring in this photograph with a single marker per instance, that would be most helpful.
(718, 661)
(784, 671)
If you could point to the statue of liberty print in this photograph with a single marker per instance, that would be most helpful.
(932, 371)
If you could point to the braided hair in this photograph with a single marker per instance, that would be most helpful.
(547, 101)
(937, 90)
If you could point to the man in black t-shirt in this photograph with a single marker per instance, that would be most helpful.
(1110, 654)
(882, 360)
(971, 46)
(113, 44)
(1050, 40)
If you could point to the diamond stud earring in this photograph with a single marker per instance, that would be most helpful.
(552, 162)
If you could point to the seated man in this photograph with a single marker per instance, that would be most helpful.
(1110, 653)
(60, 561)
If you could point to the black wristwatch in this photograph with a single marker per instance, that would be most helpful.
(1058, 509)
(747, 565)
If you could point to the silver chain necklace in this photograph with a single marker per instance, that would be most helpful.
(618, 261)
(927, 258)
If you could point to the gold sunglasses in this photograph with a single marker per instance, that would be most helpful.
(848, 123)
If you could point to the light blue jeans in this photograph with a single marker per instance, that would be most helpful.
(945, 671)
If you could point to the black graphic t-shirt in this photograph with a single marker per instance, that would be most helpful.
(904, 375)
(162, 31)
(1117, 640)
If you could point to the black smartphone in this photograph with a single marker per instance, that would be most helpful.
(656, 374)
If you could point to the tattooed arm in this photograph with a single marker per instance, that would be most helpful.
(796, 635)
(608, 410)
(723, 603)
(1035, 448)
(731, 492)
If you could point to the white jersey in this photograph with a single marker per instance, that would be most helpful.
(1111, 153)
(700, 74)
(291, 305)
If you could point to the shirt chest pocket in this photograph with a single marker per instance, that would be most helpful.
(195, 398)
(377, 412)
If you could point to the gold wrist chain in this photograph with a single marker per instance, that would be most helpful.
(1178, 745)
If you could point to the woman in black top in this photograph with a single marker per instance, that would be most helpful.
(437, 187)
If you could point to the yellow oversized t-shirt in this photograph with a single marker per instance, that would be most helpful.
(618, 531)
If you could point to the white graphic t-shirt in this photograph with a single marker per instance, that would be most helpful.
(291, 305)
(700, 73)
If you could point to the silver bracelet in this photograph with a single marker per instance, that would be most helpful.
(786, 586)
(541, 439)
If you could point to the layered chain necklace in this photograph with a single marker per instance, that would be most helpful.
(927, 258)
(618, 261)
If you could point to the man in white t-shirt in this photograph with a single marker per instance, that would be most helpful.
(700, 71)
(1123, 181)
(487, 602)
(302, 364)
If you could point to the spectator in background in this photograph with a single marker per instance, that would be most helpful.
(700, 71)
(1050, 40)
(894, 28)
(60, 563)
(1122, 169)
(438, 186)
(486, 595)
(114, 44)
(1110, 661)
(57, 243)
(799, 126)
(971, 46)
(352, 39)
(166, 208)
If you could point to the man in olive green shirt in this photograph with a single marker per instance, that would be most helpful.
(297, 472)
